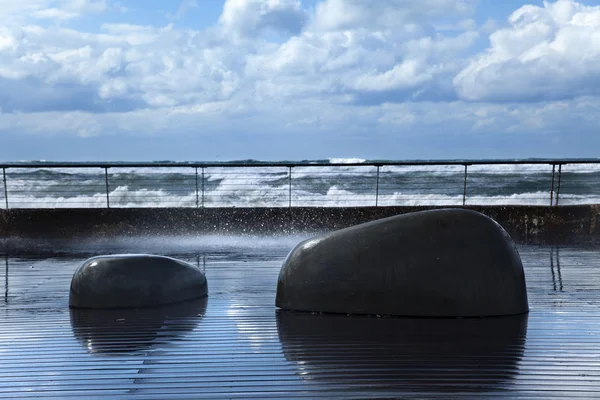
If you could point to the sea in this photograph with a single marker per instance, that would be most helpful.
(347, 182)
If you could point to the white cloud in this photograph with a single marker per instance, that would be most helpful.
(406, 74)
(347, 67)
(54, 13)
(388, 122)
(133, 66)
(16, 13)
(348, 14)
(549, 52)
(137, 66)
(184, 7)
(251, 17)
(353, 46)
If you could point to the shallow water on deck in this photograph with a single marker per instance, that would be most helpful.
(237, 345)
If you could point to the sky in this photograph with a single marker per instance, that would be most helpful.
(217, 80)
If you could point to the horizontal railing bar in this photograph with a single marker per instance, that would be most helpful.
(292, 164)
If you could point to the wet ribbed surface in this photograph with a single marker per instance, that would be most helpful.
(235, 345)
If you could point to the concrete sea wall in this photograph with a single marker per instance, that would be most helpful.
(523, 223)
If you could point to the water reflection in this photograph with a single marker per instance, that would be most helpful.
(6, 278)
(130, 331)
(437, 355)
(555, 268)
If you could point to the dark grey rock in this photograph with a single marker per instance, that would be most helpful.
(135, 281)
(437, 263)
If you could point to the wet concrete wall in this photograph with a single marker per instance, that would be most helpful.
(524, 223)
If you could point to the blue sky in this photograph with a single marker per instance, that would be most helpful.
(87, 80)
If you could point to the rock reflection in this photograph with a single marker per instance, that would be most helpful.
(105, 332)
(436, 355)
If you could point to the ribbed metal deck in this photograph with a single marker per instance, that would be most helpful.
(236, 345)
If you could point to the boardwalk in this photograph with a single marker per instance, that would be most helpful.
(236, 345)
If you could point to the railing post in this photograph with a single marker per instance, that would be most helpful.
(197, 194)
(106, 181)
(5, 188)
(558, 185)
(203, 269)
(202, 187)
(552, 187)
(203, 262)
(290, 187)
(377, 189)
(465, 187)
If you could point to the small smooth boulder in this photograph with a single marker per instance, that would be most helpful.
(437, 263)
(135, 281)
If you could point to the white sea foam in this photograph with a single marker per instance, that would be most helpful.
(66, 171)
(249, 175)
(336, 171)
(519, 169)
(431, 169)
(346, 160)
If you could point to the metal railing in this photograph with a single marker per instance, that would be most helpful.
(319, 184)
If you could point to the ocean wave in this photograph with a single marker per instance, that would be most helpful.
(123, 197)
(322, 186)
(347, 160)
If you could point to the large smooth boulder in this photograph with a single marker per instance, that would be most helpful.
(135, 281)
(437, 263)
